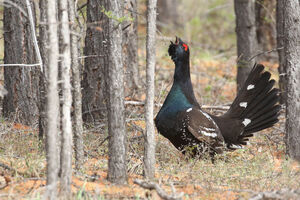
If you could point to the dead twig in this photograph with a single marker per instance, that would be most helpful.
(140, 103)
(103, 141)
(265, 52)
(161, 193)
(81, 7)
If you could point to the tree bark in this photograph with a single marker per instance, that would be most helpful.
(292, 62)
(117, 169)
(265, 14)
(66, 143)
(280, 44)
(43, 39)
(167, 13)
(96, 50)
(52, 103)
(149, 157)
(21, 82)
(130, 45)
(246, 38)
(77, 103)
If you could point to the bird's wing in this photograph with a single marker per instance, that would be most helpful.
(202, 127)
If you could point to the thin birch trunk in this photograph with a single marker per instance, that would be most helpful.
(77, 103)
(52, 104)
(117, 168)
(149, 158)
(66, 144)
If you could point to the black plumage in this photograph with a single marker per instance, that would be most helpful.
(189, 128)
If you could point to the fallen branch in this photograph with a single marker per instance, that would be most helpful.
(281, 194)
(141, 103)
(215, 107)
(161, 193)
(135, 103)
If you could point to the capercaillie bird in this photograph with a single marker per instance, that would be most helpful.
(182, 121)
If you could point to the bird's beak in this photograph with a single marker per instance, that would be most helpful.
(177, 40)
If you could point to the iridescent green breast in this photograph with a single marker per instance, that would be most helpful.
(175, 102)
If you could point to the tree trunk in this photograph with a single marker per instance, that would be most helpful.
(167, 13)
(43, 39)
(52, 104)
(117, 169)
(246, 38)
(292, 61)
(78, 124)
(149, 157)
(66, 143)
(265, 14)
(96, 42)
(21, 82)
(130, 46)
(280, 44)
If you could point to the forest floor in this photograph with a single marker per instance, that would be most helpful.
(261, 166)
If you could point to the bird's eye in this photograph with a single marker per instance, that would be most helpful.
(185, 47)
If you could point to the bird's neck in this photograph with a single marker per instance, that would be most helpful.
(182, 71)
(182, 78)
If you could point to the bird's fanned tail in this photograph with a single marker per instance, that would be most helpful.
(256, 104)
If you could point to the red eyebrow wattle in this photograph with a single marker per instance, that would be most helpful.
(185, 47)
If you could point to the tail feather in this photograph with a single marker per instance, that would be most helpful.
(262, 107)
(258, 98)
(263, 126)
(268, 113)
(253, 91)
(265, 114)
(256, 105)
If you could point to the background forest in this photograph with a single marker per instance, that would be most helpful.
(76, 150)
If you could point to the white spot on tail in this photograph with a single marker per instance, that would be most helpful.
(243, 104)
(209, 134)
(250, 87)
(246, 122)
(236, 146)
(189, 110)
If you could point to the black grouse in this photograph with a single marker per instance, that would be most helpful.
(189, 128)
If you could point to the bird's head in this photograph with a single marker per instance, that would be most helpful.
(179, 51)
